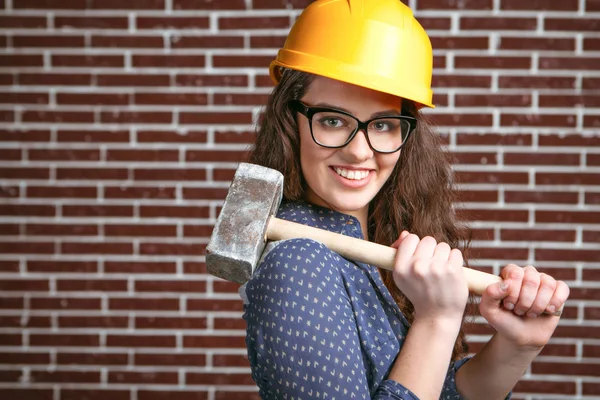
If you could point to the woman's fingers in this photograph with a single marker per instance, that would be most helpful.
(544, 295)
(406, 249)
(515, 274)
(425, 249)
(456, 258)
(529, 290)
(493, 296)
(425, 253)
(561, 294)
(442, 252)
(425, 271)
(423, 257)
(400, 238)
(497, 291)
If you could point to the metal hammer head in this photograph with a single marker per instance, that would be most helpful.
(238, 238)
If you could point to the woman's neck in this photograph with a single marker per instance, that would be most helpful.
(361, 214)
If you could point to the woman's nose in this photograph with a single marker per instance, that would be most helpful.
(358, 149)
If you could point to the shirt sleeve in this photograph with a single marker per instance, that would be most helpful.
(450, 391)
(302, 338)
(394, 390)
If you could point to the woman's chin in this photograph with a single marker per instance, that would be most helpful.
(353, 202)
(350, 207)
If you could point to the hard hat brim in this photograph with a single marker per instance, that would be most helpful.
(345, 73)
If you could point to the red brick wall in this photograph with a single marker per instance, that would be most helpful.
(121, 123)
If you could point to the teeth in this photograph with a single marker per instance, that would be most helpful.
(354, 175)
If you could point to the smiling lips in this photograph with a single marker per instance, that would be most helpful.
(356, 175)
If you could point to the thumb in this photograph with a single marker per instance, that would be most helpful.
(495, 293)
(397, 242)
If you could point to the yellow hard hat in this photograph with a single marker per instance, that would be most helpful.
(377, 44)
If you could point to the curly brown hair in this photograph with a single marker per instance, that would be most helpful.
(418, 196)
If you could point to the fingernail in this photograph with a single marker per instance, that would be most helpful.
(519, 312)
(504, 286)
(551, 308)
(509, 306)
(532, 315)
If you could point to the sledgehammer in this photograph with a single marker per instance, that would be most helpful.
(247, 221)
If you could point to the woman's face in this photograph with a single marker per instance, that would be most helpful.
(327, 171)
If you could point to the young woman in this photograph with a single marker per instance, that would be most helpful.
(343, 125)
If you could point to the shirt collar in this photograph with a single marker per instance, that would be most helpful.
(320, 217)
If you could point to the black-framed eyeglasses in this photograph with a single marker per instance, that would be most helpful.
(334, 128)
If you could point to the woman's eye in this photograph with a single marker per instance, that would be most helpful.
(382, 126)
(332, 122)
(386, 126)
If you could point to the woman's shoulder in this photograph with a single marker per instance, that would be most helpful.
(303, 264)
(299, 258)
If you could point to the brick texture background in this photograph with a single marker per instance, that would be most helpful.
(122, 122)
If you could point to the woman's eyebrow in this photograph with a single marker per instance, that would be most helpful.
(385, 113)
(329, 105)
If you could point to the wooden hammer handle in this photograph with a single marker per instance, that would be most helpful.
(365, 251)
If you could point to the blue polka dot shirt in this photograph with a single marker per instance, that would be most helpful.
(320, 326)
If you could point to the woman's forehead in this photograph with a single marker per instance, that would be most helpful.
(349, 96)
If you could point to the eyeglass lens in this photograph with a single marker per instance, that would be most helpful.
(334, 129)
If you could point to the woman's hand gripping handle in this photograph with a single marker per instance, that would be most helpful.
(430, 275)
